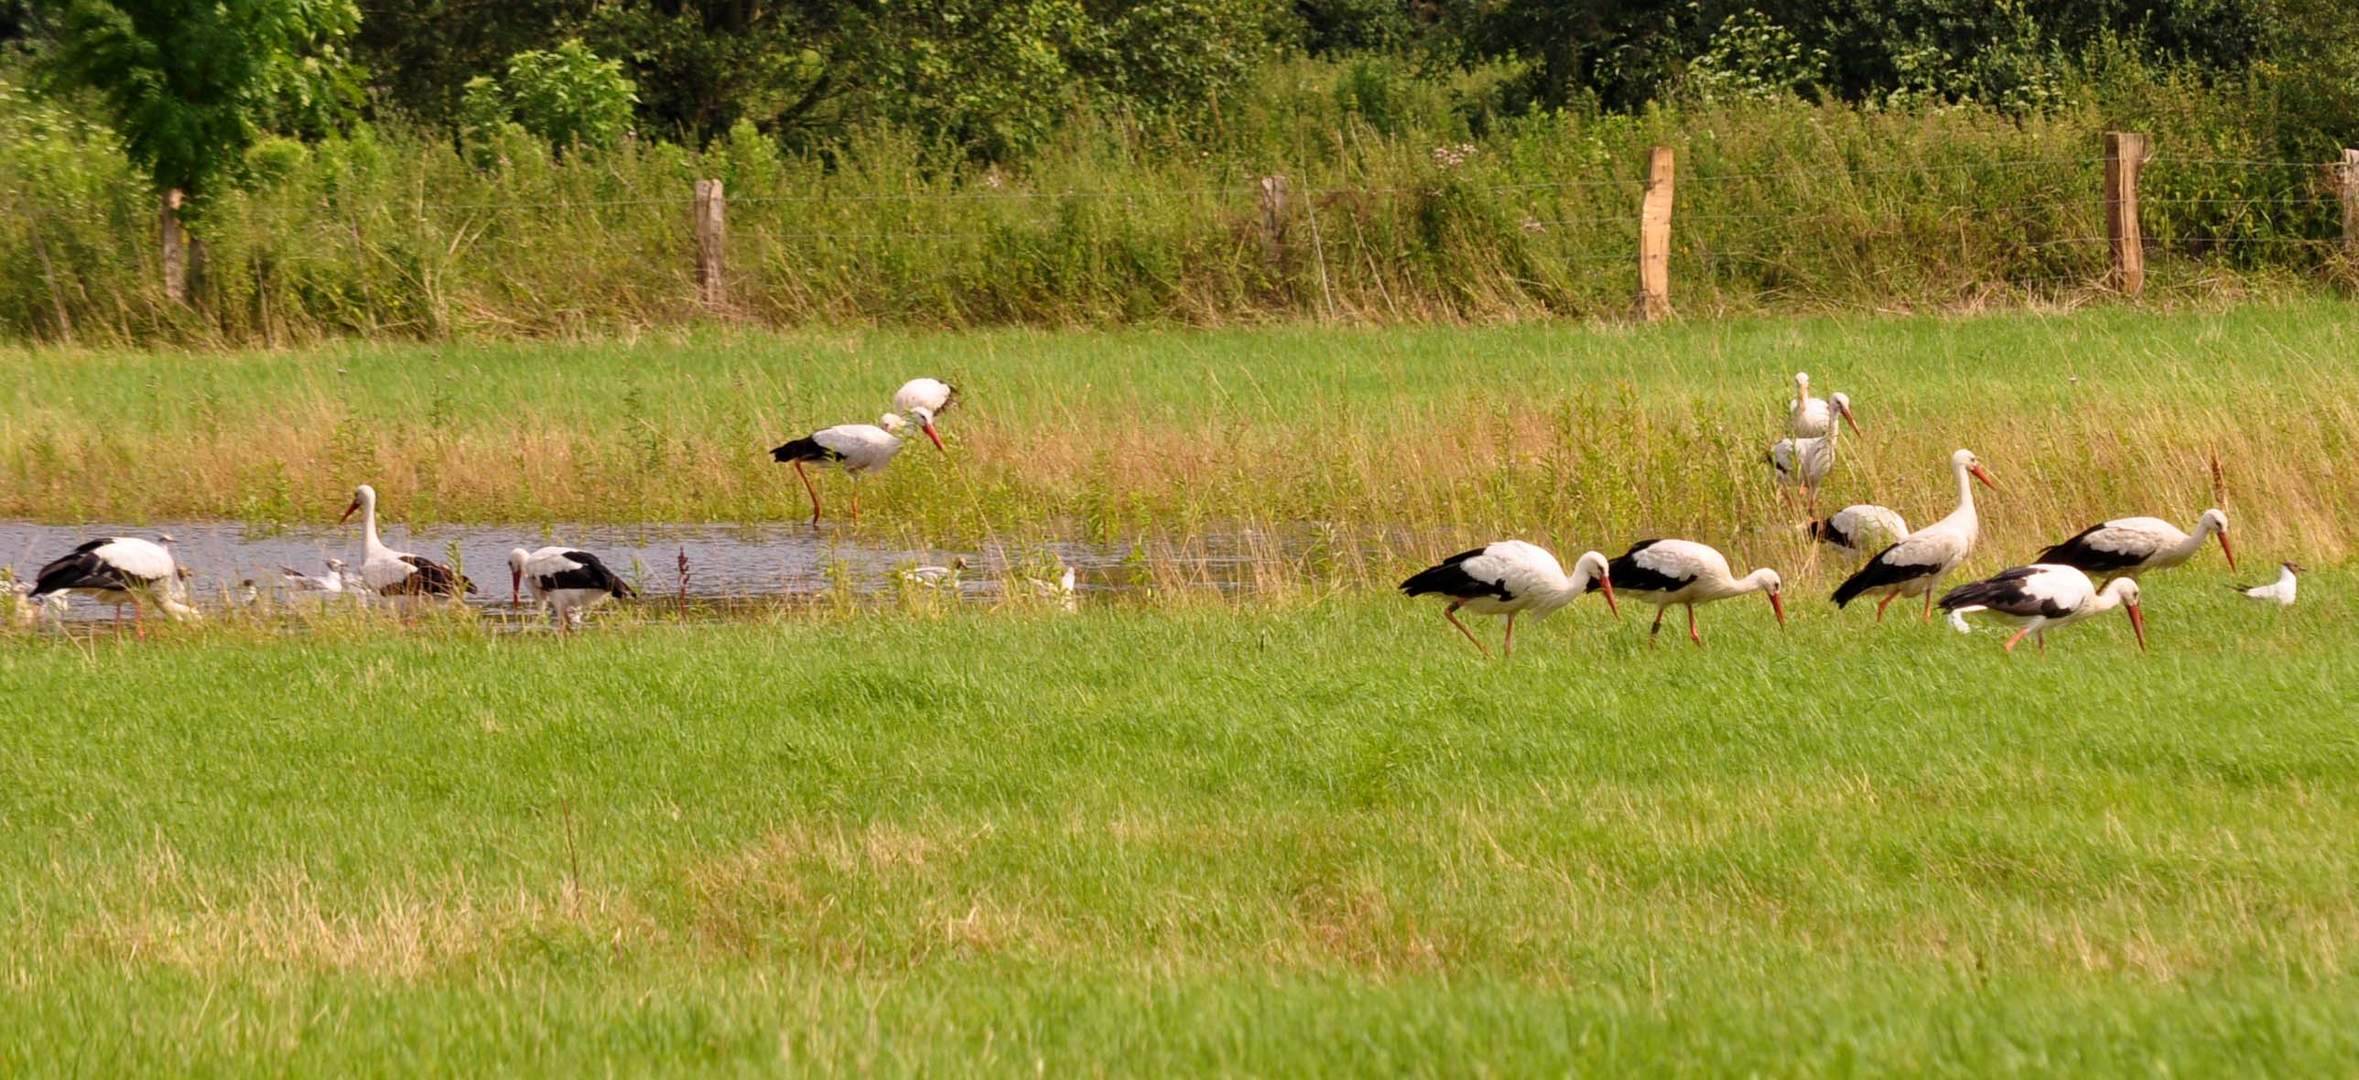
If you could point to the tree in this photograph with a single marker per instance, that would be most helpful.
(190, 84)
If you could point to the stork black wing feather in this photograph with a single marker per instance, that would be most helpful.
(1880, 573)
(589, 573)
(2080, 554)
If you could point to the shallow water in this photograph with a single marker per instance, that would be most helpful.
(726, 563)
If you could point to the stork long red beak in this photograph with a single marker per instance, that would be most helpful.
(929, 426)
(349, 511)
(1849, 419)
(1606, 586)
(1985, 478)
(1777, 603)
(2228, 551)
(2138, 623)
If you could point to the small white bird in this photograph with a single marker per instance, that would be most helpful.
(1859, 527)
(119, 570)
(1667, 572)
(936, 576)
(1508, 578)
(2040, 597)
(854, 448)
(1810, 418)
(336, 580)
(26, 611)
(923, 400)
(2279, 592)
(1917, 562)
(387, 572)
(1061, 590)
(569, 581)
(2128, 547)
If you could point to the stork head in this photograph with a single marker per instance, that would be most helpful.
(1590, 571)
(925, 420)
(2125, 591)
(516, 557)
(1802, 382)
(1842, 403)
(363, 495)
(2215, 520)
(1965, 461)
(1774, 587)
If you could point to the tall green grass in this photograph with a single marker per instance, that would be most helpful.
(1422, 210)
(1300, 839)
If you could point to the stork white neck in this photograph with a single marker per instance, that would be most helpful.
(1963, 517)
(367, 497)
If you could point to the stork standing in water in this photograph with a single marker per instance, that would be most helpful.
(387, 572)
(923, 400)
(2279, 592)
(2128, 547)
(1683, 572)
(1859, 527)
(1509, 578)
(1918, 562)
(857, 449)
(118, 570)
(571, 582)
(1811, 418)
(2037, 598)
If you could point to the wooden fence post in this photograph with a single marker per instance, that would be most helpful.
(175, 246)
(2348, 185)
(1654, 237)
(2125, 153)
(711, 219)
(1273, 219)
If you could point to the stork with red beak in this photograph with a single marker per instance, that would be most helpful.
(1509, 578)
(924, 399)
(2039, 597)
(1683, 572)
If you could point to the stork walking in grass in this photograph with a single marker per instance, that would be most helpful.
(2128, 547)
(1917, 562)
(1811, 418)
(2279, 592)
(387, 572)
(857, 449)
(120, 570)
(1509, 578)
(1803, 463)
(1685, 573)
(569, 581)
(925, 400)
(2040, 598)
(1859, 527)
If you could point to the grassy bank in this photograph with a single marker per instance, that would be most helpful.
(1307, 839)
(1392, 441)
(1411, 213)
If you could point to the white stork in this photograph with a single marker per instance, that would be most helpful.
(2128, 547)
(1810, 418)
(923, 400)
(1509, 578)
(387, 572)
(1683, 572)
(570, 581)
(2279, 592)
(118, 570)
(854, 448)
(2038, 597)
(1918, 561)
(1859, 527)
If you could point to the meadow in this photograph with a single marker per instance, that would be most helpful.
(1302, 838)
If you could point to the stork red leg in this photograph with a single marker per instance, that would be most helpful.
(1507, 648)
(812, 488)
(1929, 591)
(1451, 613)
(1885, 603)
(2018, 637)
(1691, 627)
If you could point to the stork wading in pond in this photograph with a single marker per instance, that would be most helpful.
(925, 400)
(1917, 562)
(570, 581)
(1509, 578)
(1859, 527)
(1685, 573)
(857, 449)
(1811, 418)
(2279, 592)
(2040, 598)
(120, 570)
(387, 572)
(2128, 547)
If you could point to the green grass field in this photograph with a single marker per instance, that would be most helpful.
(1317, 838)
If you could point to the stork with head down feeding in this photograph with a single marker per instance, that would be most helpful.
(2128, 547)
(925, 400)
(1509, 578)
(857, 449)
(119, 570)
(2041, 597)
(1685, 573)
(569, 580)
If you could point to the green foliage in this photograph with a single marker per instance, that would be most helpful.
(1751, 56)
(568, 97)
(191, 84)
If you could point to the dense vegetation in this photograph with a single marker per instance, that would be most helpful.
(397, 168)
